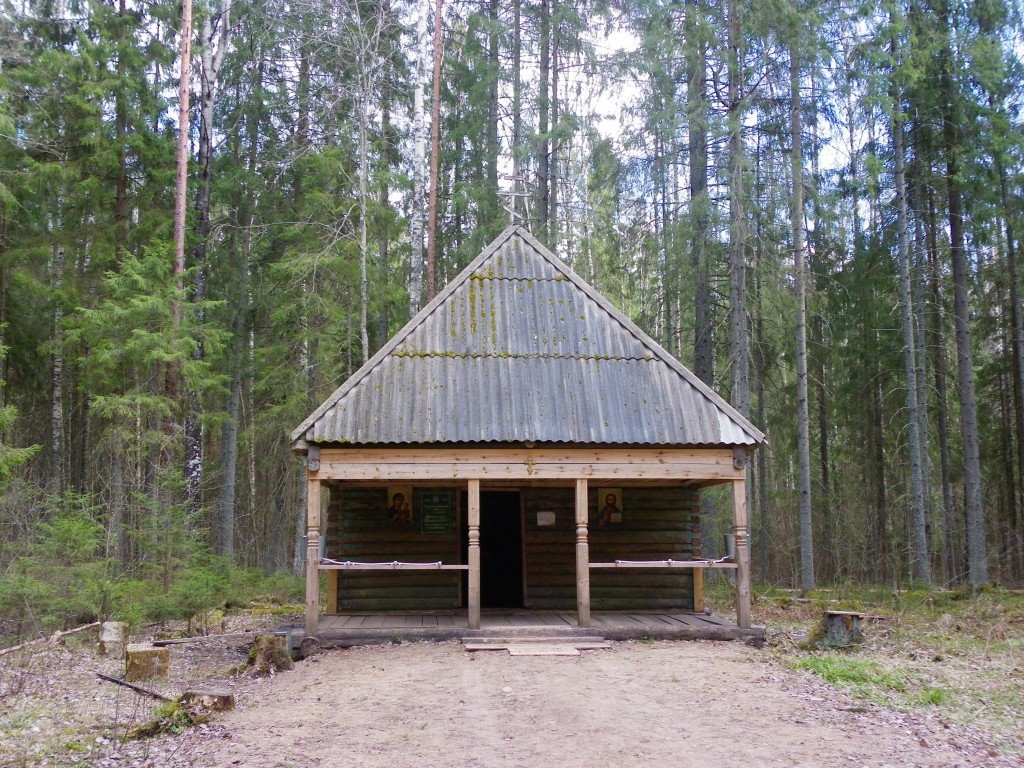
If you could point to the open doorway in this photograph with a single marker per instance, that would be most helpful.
(501, 549)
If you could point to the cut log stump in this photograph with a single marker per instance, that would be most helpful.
(146, 662)
(839, 629)
(113, 639)
(213, 700)
(269, 654)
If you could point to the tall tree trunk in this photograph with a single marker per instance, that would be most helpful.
(553, 141)
(493, 147)
(697, 115)
(229, 461)
(800, 283)
(180, 203)
(1017, 343)
(518, 187)
(419, 151)
(977, 565)
(922, 547)
(949, 527)
(58, 439)
(435, 156)
(120, 132)
(364, 171)
(543, 135)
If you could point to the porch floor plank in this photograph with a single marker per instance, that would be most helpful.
(379, 628)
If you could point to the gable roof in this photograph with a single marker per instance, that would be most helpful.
(519, 348)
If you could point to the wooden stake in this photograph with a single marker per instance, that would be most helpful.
(474, 554)
(582, 556)
(739, 523)
(313, 558)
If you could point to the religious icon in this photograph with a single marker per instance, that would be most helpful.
(399, 512)
(609, 513)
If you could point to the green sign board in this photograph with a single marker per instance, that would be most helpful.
(436, 512)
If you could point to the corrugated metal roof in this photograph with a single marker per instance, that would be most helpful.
(518, 348)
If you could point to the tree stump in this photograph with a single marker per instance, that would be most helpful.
(146, 662)
(113, 637)
(310, 646)
(213, 700)
(269, 654)
(839, 629)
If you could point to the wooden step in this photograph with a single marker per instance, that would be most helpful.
(565, 645)
(520, 639)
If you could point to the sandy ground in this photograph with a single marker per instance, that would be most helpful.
(667, 703)
(423, 705)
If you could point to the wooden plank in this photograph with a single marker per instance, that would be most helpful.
(698, 590)
(664, 564)
(332, 593)
(473, 552)
(393, 565)
(445, 621)
(607, 472)
(519, 455)
(373, 621)
(582, 555)
(527, 464)
(429, 621)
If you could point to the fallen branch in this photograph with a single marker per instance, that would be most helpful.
(52, 639)
(136, 688)
(58, 635)
(200, 638)
(14, 648)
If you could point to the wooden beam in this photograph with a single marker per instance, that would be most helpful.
(333, 577)
(473, 519)
(698, 590)
(664, 564)
(312, 556)
(416, 464)
(582, 555)
(739, 523)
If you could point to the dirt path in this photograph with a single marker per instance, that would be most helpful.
(680, 704)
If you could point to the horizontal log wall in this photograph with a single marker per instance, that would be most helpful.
(659, 523)
(358, 530)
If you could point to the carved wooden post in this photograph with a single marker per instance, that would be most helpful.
(739, 527)
(312, 555)
(582, 556)
(474, 554)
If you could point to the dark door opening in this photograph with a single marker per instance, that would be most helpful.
(501, 549)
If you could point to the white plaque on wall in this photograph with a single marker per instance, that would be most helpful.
(545, 518)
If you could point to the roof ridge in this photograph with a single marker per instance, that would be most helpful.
(522, 355)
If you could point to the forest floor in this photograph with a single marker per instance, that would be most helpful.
(932, 685)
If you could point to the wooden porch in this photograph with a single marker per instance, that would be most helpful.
(349, 629)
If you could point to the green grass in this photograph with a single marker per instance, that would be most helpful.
(846, 670)
(923, 648)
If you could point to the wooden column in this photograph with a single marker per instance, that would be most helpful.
(313, 557)
(739, 527)
(473, 518)
(582, 556)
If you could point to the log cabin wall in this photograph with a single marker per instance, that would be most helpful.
(658, 524)
(358, 530)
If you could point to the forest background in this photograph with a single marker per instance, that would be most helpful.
(814, 204)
